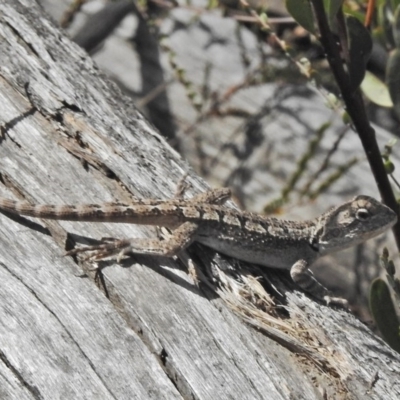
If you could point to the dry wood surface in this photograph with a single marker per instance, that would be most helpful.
(146, 331)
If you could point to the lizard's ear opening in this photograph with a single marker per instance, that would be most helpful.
(340, 217)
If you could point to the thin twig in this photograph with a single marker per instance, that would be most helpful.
(356, 110)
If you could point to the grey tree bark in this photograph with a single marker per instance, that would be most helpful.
(147, 331)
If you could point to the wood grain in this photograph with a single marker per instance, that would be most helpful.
(70, 136)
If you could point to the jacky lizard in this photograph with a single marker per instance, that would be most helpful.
(250, 237)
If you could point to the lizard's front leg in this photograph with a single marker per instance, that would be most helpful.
(304, 277)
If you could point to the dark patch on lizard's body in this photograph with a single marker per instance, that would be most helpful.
(260, 240)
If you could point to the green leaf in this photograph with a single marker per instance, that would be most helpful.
(302, 12)
(385, 19)
(384, 313)
(396, 27)
(393, 79)
(376, 90)
(348, 9)
(332, 7)
(394, 4)
(360, 47)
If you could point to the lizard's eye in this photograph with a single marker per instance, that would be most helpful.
(362, 214)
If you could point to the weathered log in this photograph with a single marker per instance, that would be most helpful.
(69, 136)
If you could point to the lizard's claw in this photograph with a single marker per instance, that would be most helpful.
(337, 301)
(110, 248)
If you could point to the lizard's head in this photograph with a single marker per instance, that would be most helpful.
(352, 223)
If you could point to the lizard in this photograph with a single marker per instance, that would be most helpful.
(246, 236)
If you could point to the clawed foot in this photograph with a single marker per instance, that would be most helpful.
(337, 301)
(109, 248)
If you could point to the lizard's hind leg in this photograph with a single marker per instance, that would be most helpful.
(179, 240)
